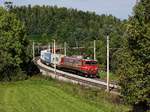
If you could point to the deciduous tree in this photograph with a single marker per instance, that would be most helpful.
(134, 59)
(13, 46)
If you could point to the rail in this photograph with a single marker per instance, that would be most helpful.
(69, 77)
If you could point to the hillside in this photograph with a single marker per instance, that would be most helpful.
(40, 95)
(77, 28)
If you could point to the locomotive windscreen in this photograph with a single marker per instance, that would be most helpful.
(91, 62)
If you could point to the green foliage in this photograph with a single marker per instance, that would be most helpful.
(40, 95)
(13, 46)
(113, 77)
(77, 28)
(134, 59)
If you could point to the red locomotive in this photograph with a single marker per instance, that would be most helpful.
(84, 67)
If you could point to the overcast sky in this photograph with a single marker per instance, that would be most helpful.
(119, 8)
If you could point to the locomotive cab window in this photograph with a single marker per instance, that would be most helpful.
(91, 63)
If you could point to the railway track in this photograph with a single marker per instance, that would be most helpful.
(69, 77)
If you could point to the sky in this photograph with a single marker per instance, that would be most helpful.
(119, 8)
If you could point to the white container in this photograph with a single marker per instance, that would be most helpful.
(57, 59)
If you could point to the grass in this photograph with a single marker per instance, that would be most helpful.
(46, 95)
(112, 76)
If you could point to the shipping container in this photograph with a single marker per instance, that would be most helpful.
(46, 57)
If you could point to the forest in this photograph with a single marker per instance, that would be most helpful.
(77, 28)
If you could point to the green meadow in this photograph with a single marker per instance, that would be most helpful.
(47, 95)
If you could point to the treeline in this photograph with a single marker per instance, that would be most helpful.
(77, 28)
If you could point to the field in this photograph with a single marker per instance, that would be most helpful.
(47, 95)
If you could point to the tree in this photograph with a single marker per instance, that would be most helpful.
(77, 28)
(134, 59)
(14, 53)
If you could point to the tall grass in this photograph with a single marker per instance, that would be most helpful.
(112, 76)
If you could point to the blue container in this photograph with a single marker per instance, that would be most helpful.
(46, 56)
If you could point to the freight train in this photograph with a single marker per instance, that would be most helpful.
(83, 67)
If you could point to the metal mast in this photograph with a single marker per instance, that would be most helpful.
(137, 1)
(33, 50)
(65, 51)
(94, 50)
(8, 4)
(107, 63)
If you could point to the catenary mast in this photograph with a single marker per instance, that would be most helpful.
(8, 4)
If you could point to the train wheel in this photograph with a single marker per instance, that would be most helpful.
(86, 75)
(77, 73)
(80, 74)
(47, 64)
(97, 76)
